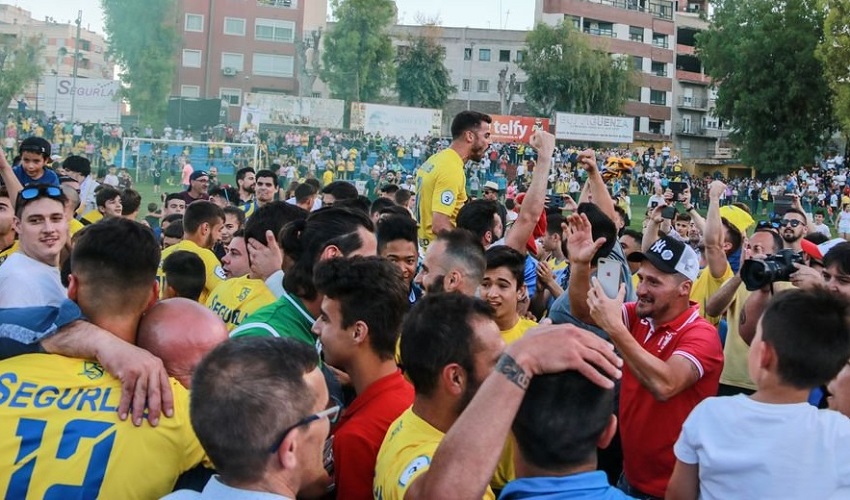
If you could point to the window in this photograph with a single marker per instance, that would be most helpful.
(504, 56)
(659, 40)
(271, 30)
(190, 91)
(634, 93)
(659, 68)
(85, 45)
(467, 54)
(316, 95)
(484, 86)
(637, 63)
(575, 21)
(658, 97)
(194, 22)
(232, 96)
(656, 127)
(637, 124)
(520, 88)
(272, 65)
(521, 55)
(233, 60)
(483, 54)
(465, 85)
(191, 58)
(234, 26)
(598, 28)
(636, 34)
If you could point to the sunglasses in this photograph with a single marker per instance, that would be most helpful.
(38, 191)
(790, 222)
(765, 224)
(332, 413)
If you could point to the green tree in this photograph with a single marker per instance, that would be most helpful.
(834, 53)
(566, 74)
(358, 54)
(142, 40)
(422, 79)
(19, 66)
(773, 90)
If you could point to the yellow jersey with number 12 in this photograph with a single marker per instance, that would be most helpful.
(440, 188)
(61, 436)
(215, 273)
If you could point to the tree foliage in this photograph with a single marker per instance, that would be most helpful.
(142, 40)
(834, 53)
(422, 79)
(773, 90)
(566, 74)
(19, 66)
(358, 53)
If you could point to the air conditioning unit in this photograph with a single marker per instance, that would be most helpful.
(229, 71)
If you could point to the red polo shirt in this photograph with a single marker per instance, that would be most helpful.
(648, 427)
(361, 430)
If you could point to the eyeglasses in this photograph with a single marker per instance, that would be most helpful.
(766, 224)
(790, 222)
(332, 413)
(39, 190)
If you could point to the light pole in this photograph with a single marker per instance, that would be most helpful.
(79, 23)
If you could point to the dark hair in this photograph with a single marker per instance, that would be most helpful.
(359, 204)
(626, 220)
(437, 332)
(106, 193)
(465, 251)
(258, 381)
(304, 191)
(733, 234)
(816, 237)
(172, 218)
(553, 224)
(272, 217)
(683, 217)
(185, 273)
(510, 204)
(77, 164)
(304, 240)
(229, 193)
(797, 211)
(200, 212)
(840, 256)
(238, 213)
(131, 200)
(35, 144)
(477, 216)
(369, 289)
(390, 189)
(341, 190)
(379, 204)
(636, 235)
(507, 257)
(118, 258)
(467, 120)
(601, 226)
(402, 197)
(810, 360)
(174, 230)
(313, 182)
(396, 227)
(394, 210)
(777, 240)
(265, 173)
(242, 172)
(560, 420)
(173, 196)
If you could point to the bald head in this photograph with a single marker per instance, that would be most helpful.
(180, 332)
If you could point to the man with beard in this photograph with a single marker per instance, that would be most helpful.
(673, 360)
(454, 263)
(245, 180)
(202, 224)
(441, 182)
(794, 227)
(265, 189)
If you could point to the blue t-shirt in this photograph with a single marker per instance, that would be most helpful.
(582, 486)
(49, 177)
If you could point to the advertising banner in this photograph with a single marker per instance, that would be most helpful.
(397, 121)
(278, 109)
(507, 129)
(94, 99)
(594, 128)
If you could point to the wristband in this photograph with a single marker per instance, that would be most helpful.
(508, 367)
(688, 209)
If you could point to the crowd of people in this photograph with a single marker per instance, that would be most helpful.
(408, 335)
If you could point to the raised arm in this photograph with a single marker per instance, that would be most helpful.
(535, 197)
(13, 185)
(597, 187)
(581, 249)
(714, 232)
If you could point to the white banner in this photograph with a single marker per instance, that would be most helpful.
(278, 109)
(397, 121)
(594, 128)
(94, 99)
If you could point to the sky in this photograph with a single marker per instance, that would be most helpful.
(515, 14)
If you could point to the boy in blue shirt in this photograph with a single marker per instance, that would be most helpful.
(35, 153)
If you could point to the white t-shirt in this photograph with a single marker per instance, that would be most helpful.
(844, 222)
(26, 282)
(748, 449)
(823, 229)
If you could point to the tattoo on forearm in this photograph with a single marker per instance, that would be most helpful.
(508, 367)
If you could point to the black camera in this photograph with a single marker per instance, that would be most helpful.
(758, 273)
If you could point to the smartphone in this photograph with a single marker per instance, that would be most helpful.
(668, 212)
(678, 188)
(653, 204)
(608, 274)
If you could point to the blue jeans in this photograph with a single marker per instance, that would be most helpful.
(624, 486)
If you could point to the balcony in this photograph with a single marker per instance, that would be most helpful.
(692, 77)
(609, 33)
(283, 4)
(690, 129)
(697, 103)
(657, 8)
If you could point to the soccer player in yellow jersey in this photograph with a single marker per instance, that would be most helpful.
(449, 344)
(441, 181)
(202, 224)
(62, 436)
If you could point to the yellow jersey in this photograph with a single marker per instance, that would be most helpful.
(74, 226)
(91, 217)
(61, 436)
(441, 188)
(215, 273)
(327, 177)
(235, 299)
(9, 251)
(511, 335)
(406, 453)
(705, 286)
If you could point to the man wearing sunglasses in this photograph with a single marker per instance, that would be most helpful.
(793, 227)
(42, 233)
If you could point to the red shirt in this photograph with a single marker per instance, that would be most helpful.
(361, 430)
(648, 427)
